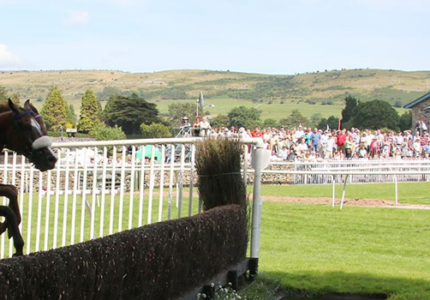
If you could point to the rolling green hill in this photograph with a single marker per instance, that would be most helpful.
(275, 95)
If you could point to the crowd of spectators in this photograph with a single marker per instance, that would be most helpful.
(315, 144)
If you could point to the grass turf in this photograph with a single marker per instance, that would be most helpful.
(319, 250)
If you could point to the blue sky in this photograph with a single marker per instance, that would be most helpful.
(258, 36)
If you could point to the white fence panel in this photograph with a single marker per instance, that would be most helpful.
(375, 169)
(100, 188)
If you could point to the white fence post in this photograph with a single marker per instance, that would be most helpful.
(259, 157)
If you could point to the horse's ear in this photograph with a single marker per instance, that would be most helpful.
(13, 106)
(27, 105)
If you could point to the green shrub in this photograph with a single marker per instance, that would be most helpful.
(101, 132)
(155, 130)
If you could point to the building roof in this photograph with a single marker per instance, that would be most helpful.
(417, 101)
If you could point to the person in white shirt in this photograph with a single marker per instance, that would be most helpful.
(302, 147)
(399, 139)
(324, 139)
(299, 133)
(267, 134)
(357, 137)
(205, 127)
(424, 126)
(282, 153)
(417, 147)
(214, 132)
(329, 147)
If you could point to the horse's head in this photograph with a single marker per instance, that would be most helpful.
(28, 136)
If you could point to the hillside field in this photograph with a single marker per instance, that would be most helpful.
(226, 90)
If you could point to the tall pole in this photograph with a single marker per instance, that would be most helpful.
(259, 165)
(256, 212)
(61, 128)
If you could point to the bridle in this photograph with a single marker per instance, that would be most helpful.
(25, 113)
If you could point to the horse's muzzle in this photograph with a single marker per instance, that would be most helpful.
(44, 159)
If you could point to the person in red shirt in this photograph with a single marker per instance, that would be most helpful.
(340, 141)
(257, 132)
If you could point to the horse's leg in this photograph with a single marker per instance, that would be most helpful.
(12, 225)
(10, 192)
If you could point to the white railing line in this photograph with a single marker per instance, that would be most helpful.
(124, 142)
(344, 172)
(355, 171)
(346, 162)
(131, 198)
(66, 201)
(372, 167)
(254, 141)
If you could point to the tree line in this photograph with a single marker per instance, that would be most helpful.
(130, 115)
(374, 114)
(122, 116)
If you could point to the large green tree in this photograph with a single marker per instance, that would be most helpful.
(405, 122)
(294, 120)
(179, 110)
(245, 117)
(331, 122)
(89, 112)
(220, 121)
(348, 112)
(270, 123)
(129, 113)
(54, 110)
(100, 110)
(316, 118)
(71, 116)
(375, 114)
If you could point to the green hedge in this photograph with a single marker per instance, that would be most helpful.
(159, 261)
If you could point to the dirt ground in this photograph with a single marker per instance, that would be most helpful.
(348, 202)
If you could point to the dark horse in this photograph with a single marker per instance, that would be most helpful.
(22, 131)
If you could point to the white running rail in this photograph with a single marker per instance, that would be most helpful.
(100, 188)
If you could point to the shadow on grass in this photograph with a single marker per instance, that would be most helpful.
(349, 286)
